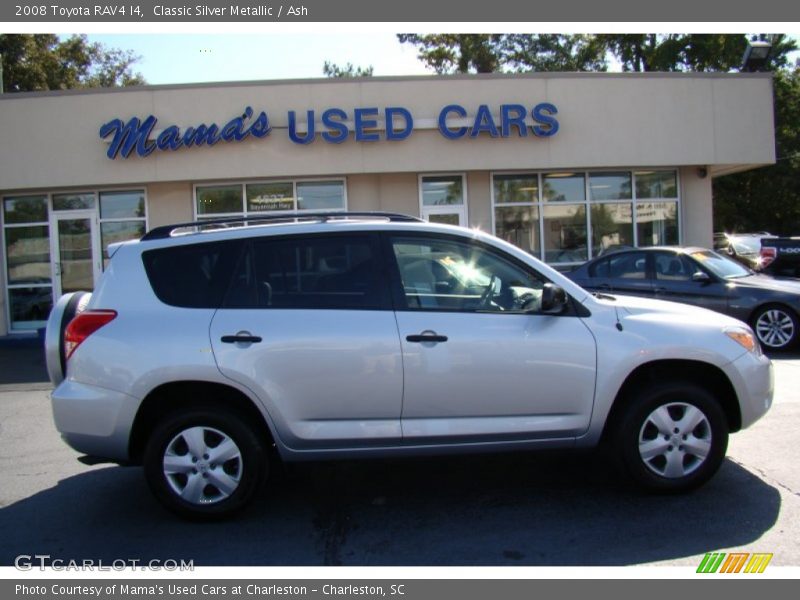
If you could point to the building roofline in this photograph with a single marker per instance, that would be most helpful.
(384, 79)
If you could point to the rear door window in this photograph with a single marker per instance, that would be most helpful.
(323, 272)
(627, 265)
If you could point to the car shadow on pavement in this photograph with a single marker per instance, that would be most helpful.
(522, 509)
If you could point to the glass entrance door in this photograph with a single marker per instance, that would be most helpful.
(76, 252)
(443, 199)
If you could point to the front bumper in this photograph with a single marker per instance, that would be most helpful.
(94, 420)
(753, 378)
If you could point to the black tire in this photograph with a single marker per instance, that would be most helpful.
(676, 464)
(775, 326)
(248, 470)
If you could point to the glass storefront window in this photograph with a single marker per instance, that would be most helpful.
(264, 197)
(219, 199)
(112, 232)
(565, 233)
(518, 225)
(122, 205)
(320, 195)
(442, 190)
(610, 186)
(25, 209)
(561, 211)
(516, 188)
(267, 196)
(657, 223)
(612, 225)
(73, 201)
(36, 266)
(656, 184)
(564, 187)
(28, 255)
(29, 306)
(445, 219)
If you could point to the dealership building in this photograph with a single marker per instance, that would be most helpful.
(564, 165)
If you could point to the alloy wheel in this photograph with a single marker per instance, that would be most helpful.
(775, 328)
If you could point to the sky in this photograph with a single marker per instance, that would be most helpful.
(170, 58)
(187, 58)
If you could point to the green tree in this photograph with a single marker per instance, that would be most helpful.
(40, 62)
(768, 199)
(330, 69)
(489, 53)
(688, 52)
(554, 52)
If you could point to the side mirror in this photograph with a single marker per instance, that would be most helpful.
(554, 299)
(701, 277)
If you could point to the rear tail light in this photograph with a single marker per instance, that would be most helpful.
(768, 254)
(84, 325)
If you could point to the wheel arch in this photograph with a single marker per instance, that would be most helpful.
(705, 375)
(173, 396)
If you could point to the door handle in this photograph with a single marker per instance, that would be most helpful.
(241, 337)
(426, 336)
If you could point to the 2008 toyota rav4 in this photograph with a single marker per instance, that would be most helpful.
(368, 334)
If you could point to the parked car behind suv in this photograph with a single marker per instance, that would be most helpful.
(358, 334)
(742, 247)
(704, 278)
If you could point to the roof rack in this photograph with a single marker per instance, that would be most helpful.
(166, 231)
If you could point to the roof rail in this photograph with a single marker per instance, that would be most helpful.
(166, 231)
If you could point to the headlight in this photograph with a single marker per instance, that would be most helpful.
(745, 338)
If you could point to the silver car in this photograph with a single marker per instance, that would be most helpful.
(333, 335)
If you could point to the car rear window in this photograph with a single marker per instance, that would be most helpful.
(194, 276)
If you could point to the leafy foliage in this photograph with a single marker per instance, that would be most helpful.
(489, 53)
(768, 199)
(40, 62)
(330, 69)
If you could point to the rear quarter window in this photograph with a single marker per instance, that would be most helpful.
(193, 276)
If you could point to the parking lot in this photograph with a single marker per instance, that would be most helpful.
(525, 509)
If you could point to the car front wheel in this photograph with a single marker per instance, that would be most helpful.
(776, 327)
(204, 463)
(672, 437)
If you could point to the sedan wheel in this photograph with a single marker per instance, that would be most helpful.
(775, 327)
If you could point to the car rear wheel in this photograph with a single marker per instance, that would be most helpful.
(776, 327)
(672, 437)
(204, 463)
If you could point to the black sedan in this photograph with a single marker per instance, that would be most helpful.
(703, 278)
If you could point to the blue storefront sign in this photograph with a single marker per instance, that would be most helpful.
(333, 125)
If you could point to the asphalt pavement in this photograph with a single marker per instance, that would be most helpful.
(541, 509)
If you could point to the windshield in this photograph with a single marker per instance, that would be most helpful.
(721, 266)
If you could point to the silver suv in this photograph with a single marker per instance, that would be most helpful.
(335, 335)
